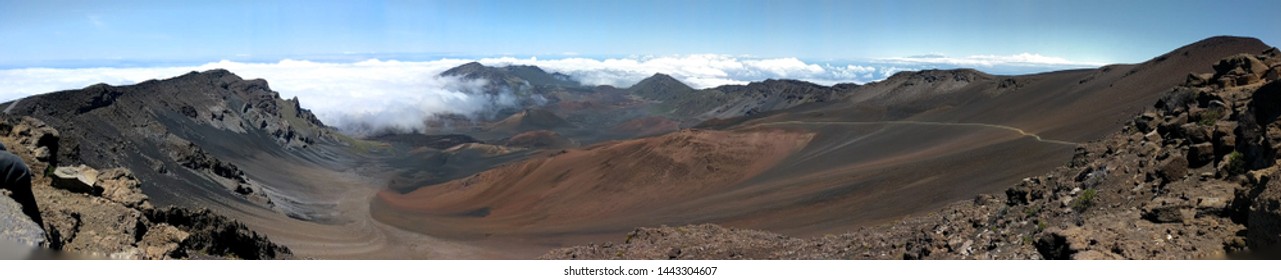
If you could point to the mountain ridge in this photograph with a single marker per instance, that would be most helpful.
(806, 160)
(1192, 176)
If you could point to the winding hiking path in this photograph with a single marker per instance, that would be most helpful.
(997, 126)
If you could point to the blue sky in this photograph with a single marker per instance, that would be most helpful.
(82, 33)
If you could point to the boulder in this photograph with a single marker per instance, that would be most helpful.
(1226, 82)
(1149, 149)
(1225, 140)
(1028, 190)
(1166, 210)
(1247, 79)
(1062, 244)
(1251, 132)
(1172, 168)
(93, 225)
(1153, 137)
(218, 235)
(1200, 154)
(163, 241)
(1264, 220)
(1173, 127)
(1196, 133)
(16, 226)
(119, 185)
(79, 179)
(1238, 66)
(1197, 80)
(1146, 122)
(1272, 56)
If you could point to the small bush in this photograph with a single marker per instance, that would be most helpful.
(1031, 211)
(1236, 163)
(1208, 117)
(1085, 200)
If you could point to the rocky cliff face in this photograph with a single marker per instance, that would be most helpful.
(171, 131)
(1194, 176)
(104, 212)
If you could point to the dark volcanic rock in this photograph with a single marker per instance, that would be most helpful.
(169, 132)
(17, 226)
(1265, 218)
(1239, 70)
(511, 75)
(1200, 154)
(217, 235)
(108, 215)
(1168, 211)
(1173, 168)
(660, 87)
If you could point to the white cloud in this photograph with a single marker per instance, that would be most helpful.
(379, 93)
(401, 94)
(698, 71)
(989, 61)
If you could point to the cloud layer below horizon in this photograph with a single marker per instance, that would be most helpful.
(402, 93)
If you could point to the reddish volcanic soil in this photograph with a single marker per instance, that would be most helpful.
(540, 139)
(795, 178)
(533, 119)
(647, 126)
(578, 190)
(907, 145)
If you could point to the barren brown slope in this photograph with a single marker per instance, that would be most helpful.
(908, 145)
(1192, 177)
(607, 187)
(527, 120)
(847, 169)
(1075, 105)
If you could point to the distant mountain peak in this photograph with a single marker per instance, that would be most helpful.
(662, 80)
(466, 68)
(659, 87)
(511, 75)
(530, 119)
(661, 76)
(1226, 40)
(1212, 45)
(933, 75)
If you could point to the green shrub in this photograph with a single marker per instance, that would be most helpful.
(1208, 117)
(1236, 163)
(1085, 200)
(1031, 211)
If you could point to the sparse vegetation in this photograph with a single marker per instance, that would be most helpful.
(1032, 211)
(1236, 163)
(1208, 117)
(1085, 200)
(360, 145)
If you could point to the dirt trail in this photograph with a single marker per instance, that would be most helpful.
(351, 232)
(997, 126)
